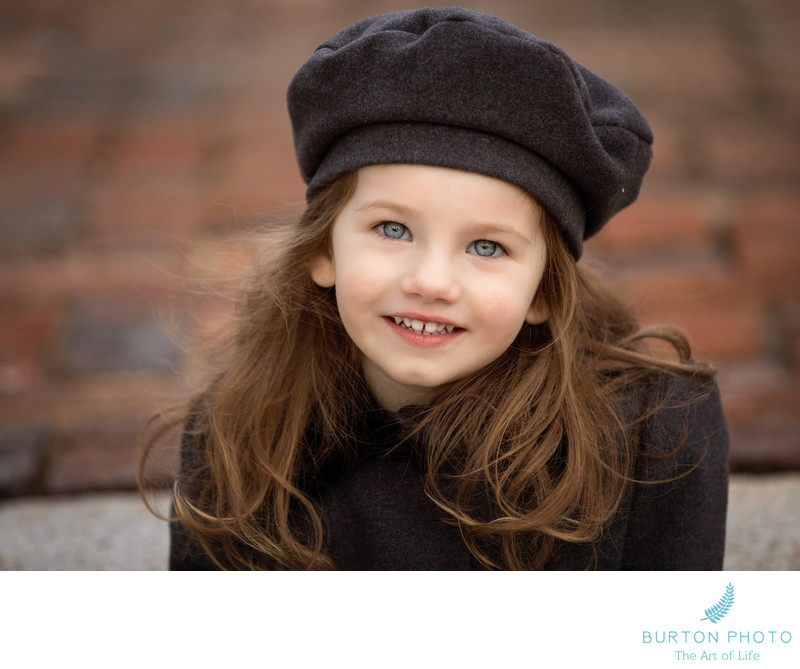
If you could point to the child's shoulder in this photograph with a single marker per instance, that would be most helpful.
(676, 507)
(684, 404)
(683, 419)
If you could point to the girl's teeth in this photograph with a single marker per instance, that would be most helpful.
(423, 328)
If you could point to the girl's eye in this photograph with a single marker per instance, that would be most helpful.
(393, 230)
(485, 248)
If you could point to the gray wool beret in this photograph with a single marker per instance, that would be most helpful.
(456, 88)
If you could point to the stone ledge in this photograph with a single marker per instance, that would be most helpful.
(117, 532)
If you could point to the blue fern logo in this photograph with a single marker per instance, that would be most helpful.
(721, 608)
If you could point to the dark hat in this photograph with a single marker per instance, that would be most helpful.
(456, 88)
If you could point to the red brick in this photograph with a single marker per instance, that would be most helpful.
(660, 221)
(262, 168)
(63, 144)
(23, 448)
(768, 244)
(82, 399)
(145, 215)
(33, 13)
(718, 330)
(669, 153)
(766, 446)
(155, 147)
(20, 377)
(25, 335)
(111, 332)
(43, 225)
(97, 421)
(751, 151)
(790, 320)
(113, 27)
(762, 405)
(681, 69)
(768, 212)
(722, 318)
(30, 186)
(46, 282)
(103, 456)
(775, 24)
(772, 266)
(20, 59)
(688, 278)
(758, 390)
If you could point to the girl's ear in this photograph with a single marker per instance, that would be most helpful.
(322, 271)
(538, 312)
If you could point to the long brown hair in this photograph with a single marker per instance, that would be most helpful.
(534, 448)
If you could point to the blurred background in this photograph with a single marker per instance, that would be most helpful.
(138, 139)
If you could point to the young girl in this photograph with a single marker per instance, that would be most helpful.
(422, 376)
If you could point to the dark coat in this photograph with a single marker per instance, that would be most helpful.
(378, 517)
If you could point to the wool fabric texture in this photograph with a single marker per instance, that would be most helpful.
(456, 88)
(378, 515)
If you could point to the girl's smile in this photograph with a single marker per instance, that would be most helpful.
(436, 270)
(423, 326)
(421, 331)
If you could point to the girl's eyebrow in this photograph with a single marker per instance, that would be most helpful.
(396, 207)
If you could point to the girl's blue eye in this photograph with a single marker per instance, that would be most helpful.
(394, 230)
(485, 248)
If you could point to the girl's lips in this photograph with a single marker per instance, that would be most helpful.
(419, 336)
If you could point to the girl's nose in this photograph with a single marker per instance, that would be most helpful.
(432, 276)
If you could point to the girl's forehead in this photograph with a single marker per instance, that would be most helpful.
(404, 186)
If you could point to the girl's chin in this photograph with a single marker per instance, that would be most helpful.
(396, 392)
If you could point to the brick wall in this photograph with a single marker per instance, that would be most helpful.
(137, 138)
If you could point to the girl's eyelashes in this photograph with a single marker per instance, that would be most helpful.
(393, 230)
(486, 249)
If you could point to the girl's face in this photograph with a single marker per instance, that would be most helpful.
(436, 270)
